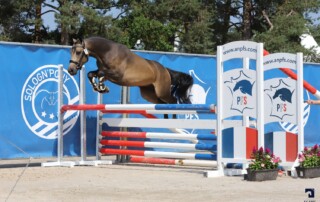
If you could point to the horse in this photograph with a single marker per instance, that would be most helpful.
(118, 64)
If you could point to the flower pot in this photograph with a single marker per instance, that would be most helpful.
(262, 175)
(308, 172)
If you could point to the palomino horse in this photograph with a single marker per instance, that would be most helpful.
(119, 65)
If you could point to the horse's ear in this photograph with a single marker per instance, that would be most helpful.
(74, 41)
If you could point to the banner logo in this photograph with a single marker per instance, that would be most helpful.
(39, 101)
(281, 98)
(241, 87)
(293, 128)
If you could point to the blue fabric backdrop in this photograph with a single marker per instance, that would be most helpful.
(28, 92)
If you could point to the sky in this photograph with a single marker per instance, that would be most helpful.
(48, 19)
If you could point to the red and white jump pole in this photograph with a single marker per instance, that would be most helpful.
(166, 161)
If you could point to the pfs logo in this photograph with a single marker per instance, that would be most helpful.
(245, 88)
(241, 88)
(39, 101)
(281, 96)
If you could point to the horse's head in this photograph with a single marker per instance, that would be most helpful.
(79, 56)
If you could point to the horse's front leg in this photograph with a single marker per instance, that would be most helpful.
(101, 78)
(92, 78)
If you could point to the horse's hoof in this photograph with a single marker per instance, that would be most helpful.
(96, 89)
(104, 89)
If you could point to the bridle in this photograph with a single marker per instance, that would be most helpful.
(83, 53)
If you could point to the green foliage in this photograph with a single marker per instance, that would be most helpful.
(158, 23)
(153, 34)
(15, 21)
(289, 20)
(197, 26)
(197, 39)
(284, 37)
(310, 157)
(263, 160)
(69, 16)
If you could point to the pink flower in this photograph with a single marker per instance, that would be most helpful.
(261, 150)
(276, 160)
(301, 158)
(263, 159)
(267, 150)
(254, 150)
(315, 147)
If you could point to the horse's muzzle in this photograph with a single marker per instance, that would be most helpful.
(72, 70)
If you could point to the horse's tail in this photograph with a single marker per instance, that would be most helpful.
(180, 84)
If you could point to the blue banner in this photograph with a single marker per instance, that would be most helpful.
(29, 98)
(29, 102)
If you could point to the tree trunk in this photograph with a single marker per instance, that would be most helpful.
(247, 7)
(64, 36)
(38, 22)
(226, 21)
(64, 33)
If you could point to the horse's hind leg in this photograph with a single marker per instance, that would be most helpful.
(149, 94)
(162, 87)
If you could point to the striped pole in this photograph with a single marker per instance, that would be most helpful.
(65, 108)
(191, 147)
(159, 154)
(165, 161)
(153, 111)
(145, 108)
(201, 107)
(178, 136)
